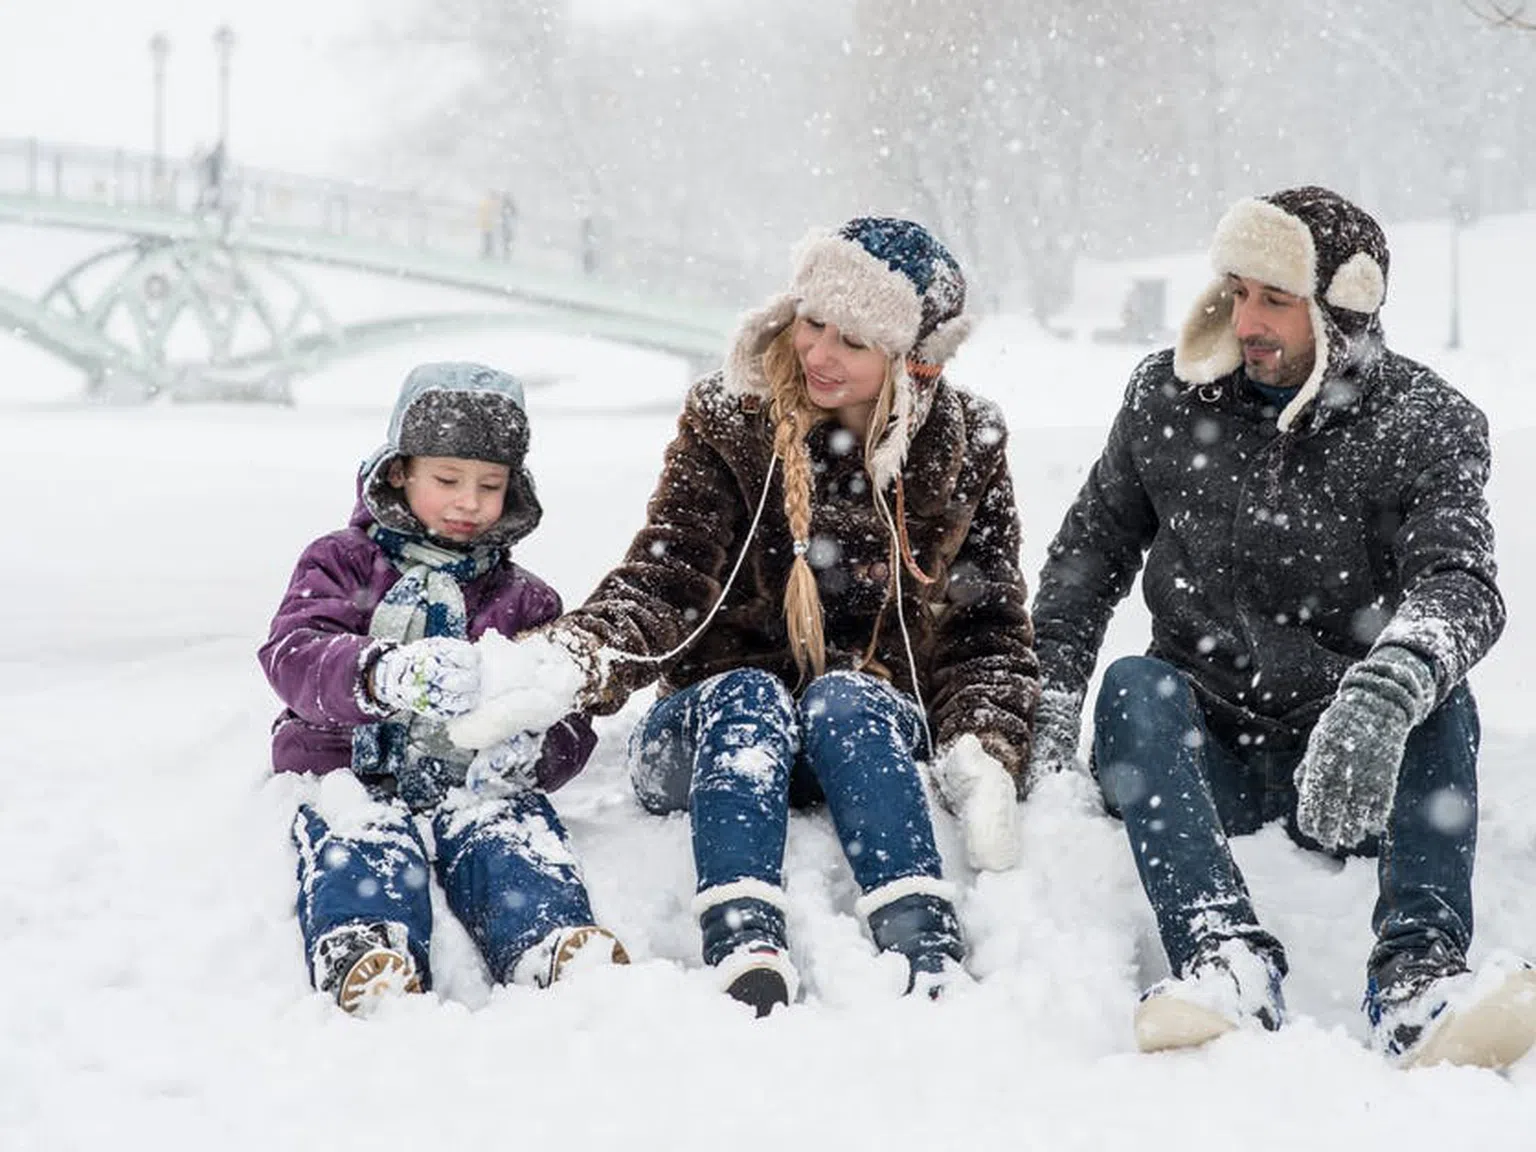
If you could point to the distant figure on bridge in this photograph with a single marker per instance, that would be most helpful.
(487, 225)
(588, 244)
(210, 193)
(370, 651)
(508, 224)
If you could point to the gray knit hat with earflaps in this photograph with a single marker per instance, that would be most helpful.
(1312, 243)
(466, 411)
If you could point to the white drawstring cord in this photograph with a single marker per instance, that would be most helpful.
(762, 502)
(610, 654)
(901, 617)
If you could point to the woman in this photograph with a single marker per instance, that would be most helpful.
(828, 588)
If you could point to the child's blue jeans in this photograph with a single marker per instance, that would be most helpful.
(505, 866)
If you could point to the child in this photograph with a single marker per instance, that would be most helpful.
(828, 586)
(370, 651)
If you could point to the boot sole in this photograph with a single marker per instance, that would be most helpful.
(577, 942)
(761, 988)
(1166, 1022)
(377, 974)
(1493, 1033)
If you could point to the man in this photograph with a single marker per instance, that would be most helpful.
(1320, 574)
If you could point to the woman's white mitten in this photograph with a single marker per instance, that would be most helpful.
(974, 785)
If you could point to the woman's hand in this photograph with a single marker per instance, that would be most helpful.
(974, 785)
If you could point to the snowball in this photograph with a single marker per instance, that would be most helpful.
(526, 685)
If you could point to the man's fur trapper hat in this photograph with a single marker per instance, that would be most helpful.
(1309, 242)
(886, 282)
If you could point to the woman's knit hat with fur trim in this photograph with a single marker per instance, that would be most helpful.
(885, 281)
(1312, 243)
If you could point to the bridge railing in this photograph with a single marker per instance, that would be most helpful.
(568, 243)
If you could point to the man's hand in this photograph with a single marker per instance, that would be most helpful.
(1347, 779)
(1058, 725)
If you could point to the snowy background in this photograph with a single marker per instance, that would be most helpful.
(153, 991)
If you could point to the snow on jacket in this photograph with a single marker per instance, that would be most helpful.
(1274, 559)
(970, 630)
(319, 650)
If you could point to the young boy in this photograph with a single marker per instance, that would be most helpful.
(371, 650)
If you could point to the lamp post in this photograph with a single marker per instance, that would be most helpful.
(159, 49)
(224, 45)
(1463, 212)
(1458, 184)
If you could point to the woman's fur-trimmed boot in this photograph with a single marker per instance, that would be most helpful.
(915, 917)
(744, 941)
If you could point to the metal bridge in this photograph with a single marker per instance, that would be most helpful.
(202, 292)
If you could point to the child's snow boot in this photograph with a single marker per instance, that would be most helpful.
(565, 950)
(915, 917)
(361, 964)
(1426, 1008)
(744, 941)
(1226, 986)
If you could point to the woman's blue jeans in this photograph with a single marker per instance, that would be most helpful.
(733, 749)
(1181, 794)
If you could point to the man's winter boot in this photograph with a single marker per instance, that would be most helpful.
(565, 950)
(1426, 1008)
(362, 964)
(915, 918)
(744, 941)
(1228, 985)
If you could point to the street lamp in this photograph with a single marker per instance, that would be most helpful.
(1463, 212)
(159, 49)
(224, 44)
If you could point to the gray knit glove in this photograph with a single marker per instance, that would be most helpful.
(1347, 779)
(1058, 726)
(438, 677)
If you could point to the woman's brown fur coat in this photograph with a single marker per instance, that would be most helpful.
(972, 641)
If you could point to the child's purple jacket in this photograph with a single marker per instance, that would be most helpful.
(319, 646)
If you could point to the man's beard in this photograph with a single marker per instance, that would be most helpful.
(1289, 372)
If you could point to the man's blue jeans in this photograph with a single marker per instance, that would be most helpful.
(733, 749)
(1182, 793)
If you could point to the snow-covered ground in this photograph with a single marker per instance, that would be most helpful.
(153, 993)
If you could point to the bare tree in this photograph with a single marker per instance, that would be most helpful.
(1026, 135)
(1502, 13)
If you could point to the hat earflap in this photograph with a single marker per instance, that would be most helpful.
(1207, 348)
(1358, 285)
(944, 341)
(754, 332)
(890, 455)
(1322, 356)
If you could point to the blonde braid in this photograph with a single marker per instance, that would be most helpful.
(793, 415)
